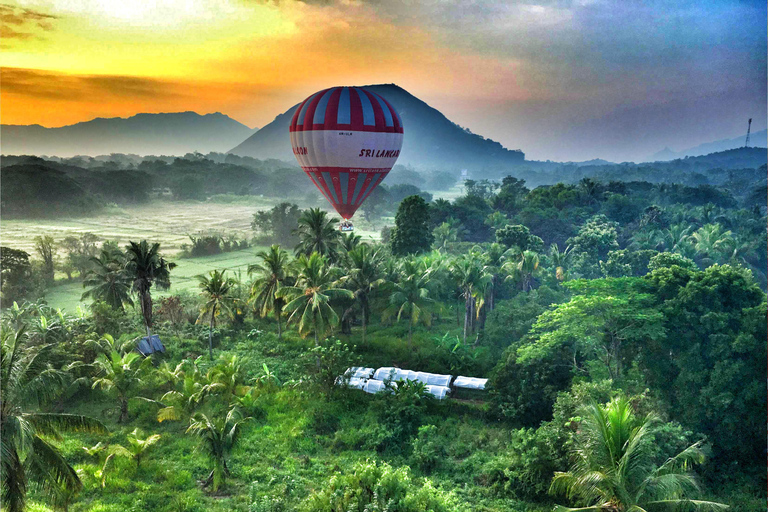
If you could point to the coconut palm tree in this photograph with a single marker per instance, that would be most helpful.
(317, 233)
(28, 380)
(310, 299)
(271, 274)
(614, 469)
(712, 242)
(108, 279)
(217, 289)
(181, 402)
(472, 278)
(522, 269)
(120, 374)
(146, 267)
(410, 298)
(561, 260)
(363, 276)
(218, 436)
(494, 257)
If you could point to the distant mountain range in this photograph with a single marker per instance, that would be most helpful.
(757, 139)
(431, 140)
(143, 134)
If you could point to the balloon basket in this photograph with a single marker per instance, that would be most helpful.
(346, 227)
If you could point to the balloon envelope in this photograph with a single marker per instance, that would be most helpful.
(346, 139)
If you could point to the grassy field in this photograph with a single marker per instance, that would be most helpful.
(66, 294)
(166, 222)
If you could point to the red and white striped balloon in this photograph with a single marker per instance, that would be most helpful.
(346, 139)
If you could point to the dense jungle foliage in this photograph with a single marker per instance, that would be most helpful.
(622, 326)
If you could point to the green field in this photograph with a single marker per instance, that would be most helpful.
(166, 222)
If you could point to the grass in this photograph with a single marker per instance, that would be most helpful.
(66, 294)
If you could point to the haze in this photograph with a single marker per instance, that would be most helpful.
(561, 80)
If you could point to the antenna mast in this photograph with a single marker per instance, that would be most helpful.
(749, 127)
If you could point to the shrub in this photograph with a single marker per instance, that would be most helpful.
(428, 449)
(380, 487)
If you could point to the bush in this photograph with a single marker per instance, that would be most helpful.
(380, 487)
(402, 412)
(428, 449)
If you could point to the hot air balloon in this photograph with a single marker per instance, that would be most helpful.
(346, 139)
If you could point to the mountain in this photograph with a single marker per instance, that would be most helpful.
(143, 134)
(431, 140)
(757, 139)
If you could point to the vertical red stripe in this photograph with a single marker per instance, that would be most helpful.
(356, 109)
(310, 114)
(332, 112)
(378, 114)
(395, 118)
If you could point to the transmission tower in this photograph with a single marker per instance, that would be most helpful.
(749, 127)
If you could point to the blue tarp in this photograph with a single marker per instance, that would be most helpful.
(150, 345)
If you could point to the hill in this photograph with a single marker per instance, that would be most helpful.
(170, 134)
(758, 139)
(431, 139)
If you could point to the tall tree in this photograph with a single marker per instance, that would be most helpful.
(412, 233)
(614, 468)
(310, 299)
(410, 299)
(363, 275)
(522, 269)
(472, 279)
(271, 273)
(46, 249)
(217, 290)
(146, 267)
(28, 381)
(561, 261)
(108, 279)
(608, 320)
(318, 233)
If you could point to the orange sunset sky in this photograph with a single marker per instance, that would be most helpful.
(553, 78)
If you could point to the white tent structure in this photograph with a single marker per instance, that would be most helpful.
(470, 383)
(375, 381)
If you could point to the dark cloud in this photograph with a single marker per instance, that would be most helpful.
(49, 85)
(21, 23)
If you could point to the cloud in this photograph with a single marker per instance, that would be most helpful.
(34, 83)
(21, 23)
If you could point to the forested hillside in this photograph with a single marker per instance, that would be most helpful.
(621, 325)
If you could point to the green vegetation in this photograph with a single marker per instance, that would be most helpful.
(622, 327)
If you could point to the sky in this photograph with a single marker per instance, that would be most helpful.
(559, 79)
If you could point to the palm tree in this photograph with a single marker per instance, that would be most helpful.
(523, 269)
(28, 380)
(363, 276)
(121, 374)
(108, 279)
(471, 276)
(219, 437)
(309, 301)
(614, 469)
(349, 241)
(146, 267)
(410, 297)
(139, 447)
(711, 242)
(272, 272)
(494, 258)
(561, 260)
(217, 289)
(182, 402)
(317, 233)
